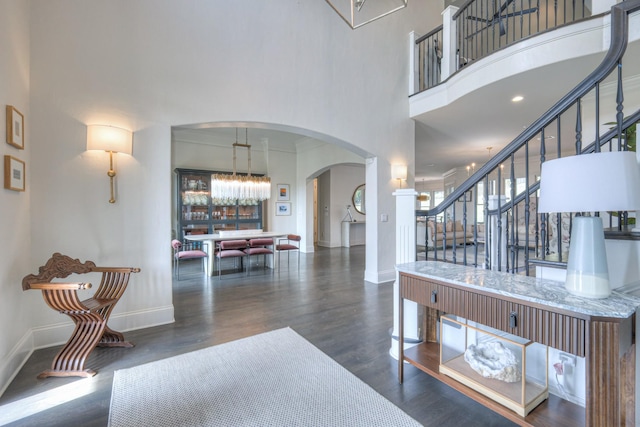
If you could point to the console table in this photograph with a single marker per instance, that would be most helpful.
(600, 330)
(353, 233)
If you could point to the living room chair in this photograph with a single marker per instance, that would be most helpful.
(258, 246)
(230, 249)
(288, 244)
(186, 251)
(89, 315)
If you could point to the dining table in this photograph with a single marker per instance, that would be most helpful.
(212, 239)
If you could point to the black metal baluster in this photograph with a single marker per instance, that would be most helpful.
(487, 229)
(578, 127)
(499, 192)
(527, 205)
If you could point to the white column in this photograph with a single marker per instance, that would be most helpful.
(449, 43)
(405, 252)
(413, 71)
(494, 202)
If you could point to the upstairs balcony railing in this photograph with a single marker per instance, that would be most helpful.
(481, 27)
(491, 220)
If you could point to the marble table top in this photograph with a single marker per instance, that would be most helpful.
(542, 291)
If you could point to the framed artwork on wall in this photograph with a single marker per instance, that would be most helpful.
(15, 127)
(283, 208)
(283, 192)
(13, 173)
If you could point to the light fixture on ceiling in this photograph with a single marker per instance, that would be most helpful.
(236, 187)
(423, 196)
(113, 140)
(356, 14)
(471, 169)
(517, 98)
(606, 181)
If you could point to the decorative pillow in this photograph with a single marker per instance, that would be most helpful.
(439, 228)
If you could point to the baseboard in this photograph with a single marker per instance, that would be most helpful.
(13, 362)
(379, 277)
(59, 333)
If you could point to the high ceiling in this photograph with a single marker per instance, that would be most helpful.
(460, 133)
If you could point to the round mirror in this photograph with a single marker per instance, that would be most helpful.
(358, 199)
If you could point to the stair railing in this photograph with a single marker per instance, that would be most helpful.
(511, 227)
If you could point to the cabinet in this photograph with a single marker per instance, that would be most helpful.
(199, 213)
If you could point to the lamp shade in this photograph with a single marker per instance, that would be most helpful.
(109, 138)
(399, 172)
(607, 181)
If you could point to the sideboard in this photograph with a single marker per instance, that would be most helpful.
(600, 330)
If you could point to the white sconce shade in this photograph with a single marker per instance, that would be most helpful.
(109, 138)
(399, 172)
(112, 140)
(608, 181)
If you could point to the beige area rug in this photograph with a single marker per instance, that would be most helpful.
(273, 379)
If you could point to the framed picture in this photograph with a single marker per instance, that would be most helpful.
(15, 127)
(13, 173)
(283, 192)
(468, 196)
(283, 208)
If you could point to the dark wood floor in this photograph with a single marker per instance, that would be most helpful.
(327, 302)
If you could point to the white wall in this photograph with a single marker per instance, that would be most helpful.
(15, 228)
(149, 65)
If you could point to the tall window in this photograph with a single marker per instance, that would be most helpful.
(521, 185)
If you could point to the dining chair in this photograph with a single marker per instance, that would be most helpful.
(230, 249)
(288, 244)
(186, 251)
(259, 246)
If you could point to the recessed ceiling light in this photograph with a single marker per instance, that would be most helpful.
(517, 98)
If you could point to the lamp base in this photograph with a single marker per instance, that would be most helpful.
(587, 271)
(588, 286)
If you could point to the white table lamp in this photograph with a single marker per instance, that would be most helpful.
(608, 181)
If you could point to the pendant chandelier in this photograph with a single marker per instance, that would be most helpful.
(248, 189)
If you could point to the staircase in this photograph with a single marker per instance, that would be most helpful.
(513, 236)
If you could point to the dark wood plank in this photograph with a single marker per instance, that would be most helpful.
(327, 302)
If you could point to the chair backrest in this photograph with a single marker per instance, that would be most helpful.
(260, 242)
(294, 237)
(233, 244)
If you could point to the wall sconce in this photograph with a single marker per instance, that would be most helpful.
(399, 172)
(112, 140)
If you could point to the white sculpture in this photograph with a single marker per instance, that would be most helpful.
(493, 360)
